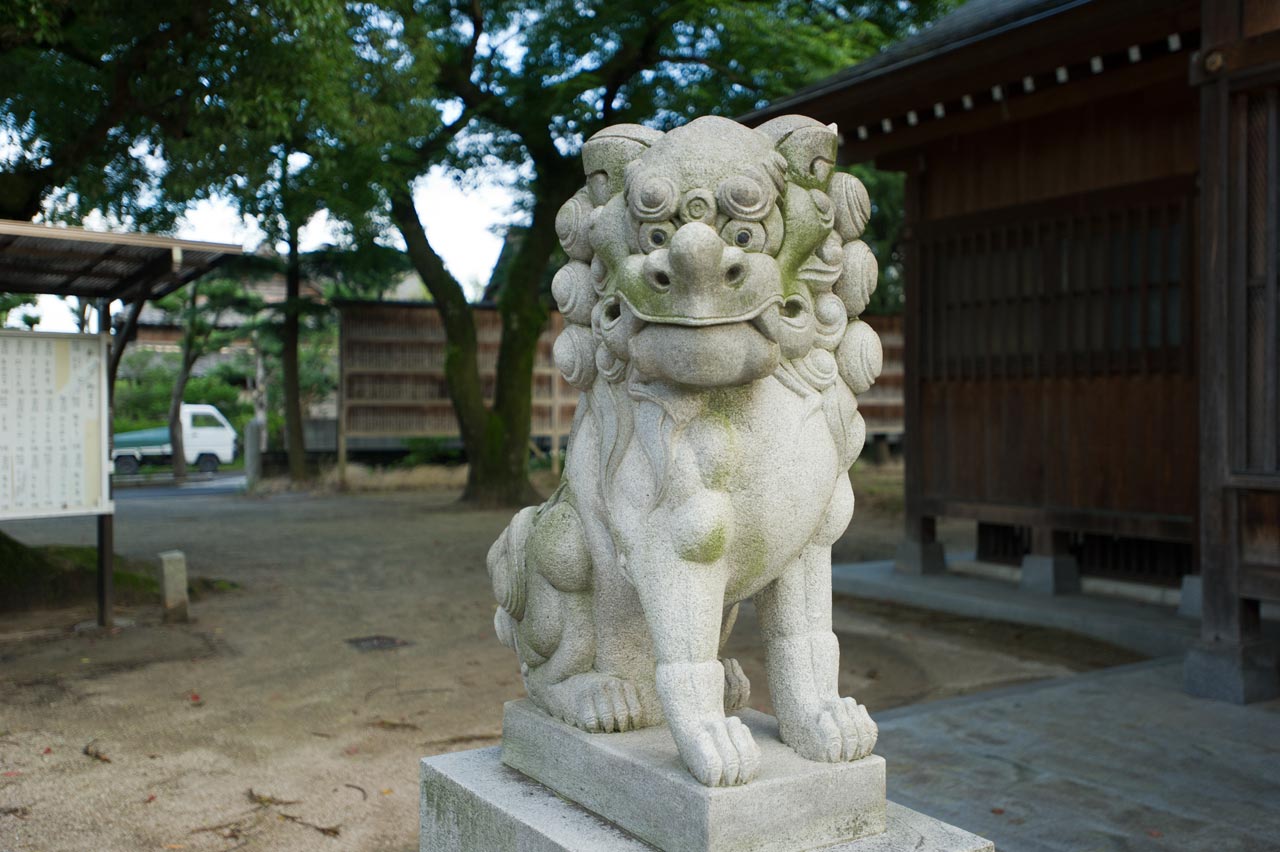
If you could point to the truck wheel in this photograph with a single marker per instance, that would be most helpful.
(207, 463)
(126, 465)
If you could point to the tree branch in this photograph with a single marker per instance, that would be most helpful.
(462, 369)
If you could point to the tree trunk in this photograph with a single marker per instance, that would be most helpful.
(175, 416)
(496, 438)
(294, 441)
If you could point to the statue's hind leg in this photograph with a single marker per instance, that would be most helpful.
(542, 574)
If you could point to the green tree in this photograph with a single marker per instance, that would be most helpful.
(211, 313)
(10, 302)
(519, 86)
(281, 156)
(95, 90)
(882, 235)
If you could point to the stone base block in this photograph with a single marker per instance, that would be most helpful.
(1237, 673)
(472, 802)
(1050, 575)
(637, 781)
(916, 557)
(1191, 600)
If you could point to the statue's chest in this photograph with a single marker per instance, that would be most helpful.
(740, 478)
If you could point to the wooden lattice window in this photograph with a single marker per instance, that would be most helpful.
(1088, 285)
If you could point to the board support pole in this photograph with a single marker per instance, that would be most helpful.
(106, 571)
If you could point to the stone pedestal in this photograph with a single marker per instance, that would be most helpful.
(1241, 673)
(1191, 600)
(920, 557)
(624, 792)
(1057, 574)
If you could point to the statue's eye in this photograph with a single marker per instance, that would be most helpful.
(748, 236)
(655, 235)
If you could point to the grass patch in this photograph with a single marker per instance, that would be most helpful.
(34, 577)
(60, 575)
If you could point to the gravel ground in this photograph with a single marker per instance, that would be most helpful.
(260, 727)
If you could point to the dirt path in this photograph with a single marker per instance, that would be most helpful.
(260, 727)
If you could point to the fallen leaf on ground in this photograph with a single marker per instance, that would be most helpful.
(387, 792)
(263, 800)
(326, 830)
(388, 725)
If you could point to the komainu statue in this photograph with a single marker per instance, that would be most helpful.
(711, 303)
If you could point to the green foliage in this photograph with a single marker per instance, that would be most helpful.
(53, 576)
(430, 451)
(366, 270)
(97, 92)
(882, 235)
(145, 383)
(10, 302)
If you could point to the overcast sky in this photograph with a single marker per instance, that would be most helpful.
(459, 224)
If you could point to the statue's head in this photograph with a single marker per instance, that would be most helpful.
(708, 255)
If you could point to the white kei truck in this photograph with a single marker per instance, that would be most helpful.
(208, 440)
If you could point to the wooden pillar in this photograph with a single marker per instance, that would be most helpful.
(1231, 662)
(920, 551)
(1050, 568)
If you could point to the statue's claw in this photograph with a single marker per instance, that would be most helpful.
(721, 752)
(596, 703)
(737, 688)
(841, 730)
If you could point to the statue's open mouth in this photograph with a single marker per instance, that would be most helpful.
(701, 318)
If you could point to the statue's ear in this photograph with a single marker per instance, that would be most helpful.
(606, 154)
(808, 146)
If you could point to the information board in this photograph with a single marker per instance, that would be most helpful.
(53, 425)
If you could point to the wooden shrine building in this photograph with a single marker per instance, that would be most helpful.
(1092, 196)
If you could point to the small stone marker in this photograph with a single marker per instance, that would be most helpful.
(173, 571)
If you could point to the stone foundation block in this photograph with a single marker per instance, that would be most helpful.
(472, 802)
(1239, 673)
(917, 557)
(1050, 575)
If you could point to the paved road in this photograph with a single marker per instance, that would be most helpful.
(219, 483)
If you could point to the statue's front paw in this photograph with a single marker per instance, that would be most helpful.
(720, 752)
(839, 730)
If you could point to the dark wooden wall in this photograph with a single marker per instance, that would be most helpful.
(1055, 262)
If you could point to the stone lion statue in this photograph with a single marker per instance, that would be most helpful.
(711, 303)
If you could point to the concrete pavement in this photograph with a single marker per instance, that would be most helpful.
(1119, 759)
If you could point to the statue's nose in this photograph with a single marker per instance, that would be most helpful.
(696, 260)
(696, 252)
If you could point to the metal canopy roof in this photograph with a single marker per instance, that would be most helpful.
(93, 265)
